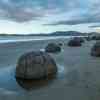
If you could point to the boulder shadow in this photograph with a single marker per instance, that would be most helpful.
(31, 84)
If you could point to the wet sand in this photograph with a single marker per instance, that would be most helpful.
(77, 78)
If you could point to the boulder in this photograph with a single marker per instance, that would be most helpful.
(88, 38)
(60, 44)
(95, 51)
(75, 42)
(35, 65)
(53, 48)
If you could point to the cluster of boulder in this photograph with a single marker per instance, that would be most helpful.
(77, 41)
(95, 51)
(37, 65)
(95, 37)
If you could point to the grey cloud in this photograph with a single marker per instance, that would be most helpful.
(27, 10)
(89, 18)
(89, 12)
(18, 11)
(72, 22)
(94, 26)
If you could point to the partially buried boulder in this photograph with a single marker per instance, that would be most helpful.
(60, 44)
(88, 38)
(95, 51)
(75, 42)
(53, 48)
(35, 65)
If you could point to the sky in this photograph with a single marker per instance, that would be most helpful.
(46, 16)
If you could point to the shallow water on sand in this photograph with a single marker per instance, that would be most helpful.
(9, 82)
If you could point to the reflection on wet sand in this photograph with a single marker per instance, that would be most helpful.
(35, 84)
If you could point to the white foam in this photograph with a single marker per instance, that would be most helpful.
(10, 40)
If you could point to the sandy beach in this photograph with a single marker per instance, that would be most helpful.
(77, 78)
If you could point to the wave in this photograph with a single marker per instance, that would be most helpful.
(25, 39)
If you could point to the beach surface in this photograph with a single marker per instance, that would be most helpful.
(77, 78)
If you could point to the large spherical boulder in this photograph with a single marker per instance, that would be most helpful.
(35, 65)
(75, 42)
(95, 51)
(53, 48)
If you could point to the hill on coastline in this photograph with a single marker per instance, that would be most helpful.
(57, 33)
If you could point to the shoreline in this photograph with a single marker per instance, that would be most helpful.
(39, 38)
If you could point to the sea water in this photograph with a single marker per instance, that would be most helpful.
(9, 39)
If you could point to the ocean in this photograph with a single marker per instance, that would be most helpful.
(9, 39)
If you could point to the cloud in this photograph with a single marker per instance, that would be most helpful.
(20, 10)
(76, 11)
(94, 26)
(87, 20)
(86, 12)
(27, 10)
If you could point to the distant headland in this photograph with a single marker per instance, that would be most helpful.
(57, 33)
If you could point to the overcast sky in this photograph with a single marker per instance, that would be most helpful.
(45, 16)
